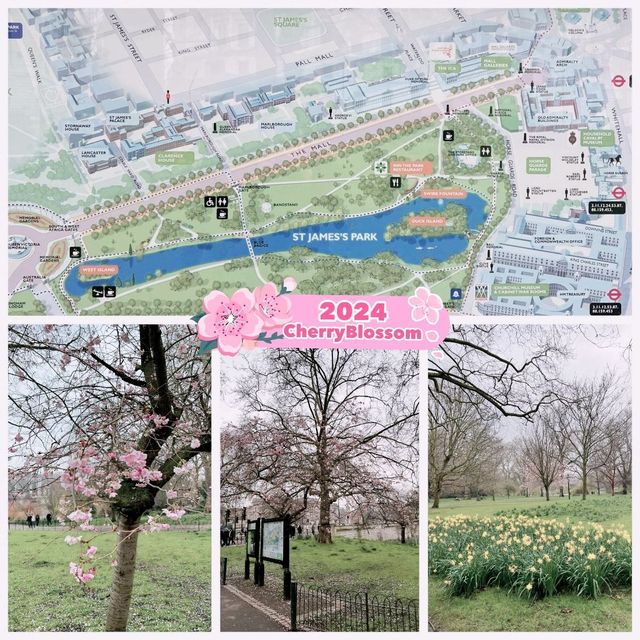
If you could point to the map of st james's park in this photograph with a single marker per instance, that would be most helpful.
(157, 154)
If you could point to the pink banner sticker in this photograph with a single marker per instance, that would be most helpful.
(270, 316)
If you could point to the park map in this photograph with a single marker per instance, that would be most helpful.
(157, 154)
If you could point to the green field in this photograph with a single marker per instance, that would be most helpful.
(509, 118)
(172, 590)
(383, 69)
(381, 568)
(493, 609)
(24, 303)
(606, 510)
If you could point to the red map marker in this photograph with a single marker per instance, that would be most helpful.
(614, 294)
(618, 193)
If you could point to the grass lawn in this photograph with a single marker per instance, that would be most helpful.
(510, 118)
(493, 609)
(606, 510)
(172, 589)
(118, 238)
(381, 568)
(24, 303)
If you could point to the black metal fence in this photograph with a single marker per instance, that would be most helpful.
(316, 609)
(223, 570)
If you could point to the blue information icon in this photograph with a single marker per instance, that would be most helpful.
(456, 294)
(15, 30)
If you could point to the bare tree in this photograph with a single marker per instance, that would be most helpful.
(474, 361)
(586, 409)
(510, 468)
(541, 449)
(624, 451)
(398, 507)
(612, 459)
(462, 437)
(329, 423)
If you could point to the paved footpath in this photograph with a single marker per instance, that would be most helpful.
(241, 614)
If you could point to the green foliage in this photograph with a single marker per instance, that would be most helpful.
(382, 69)
(532, 557)
(311, 89)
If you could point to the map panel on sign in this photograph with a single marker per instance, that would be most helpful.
(158, 154)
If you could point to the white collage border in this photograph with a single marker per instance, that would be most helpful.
(6, 320)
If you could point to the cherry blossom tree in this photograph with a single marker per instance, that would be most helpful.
(327, 423)
(115, 415)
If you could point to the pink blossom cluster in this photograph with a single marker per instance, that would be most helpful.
(151, 526)
(174, 514)
(244, 316)
(158, 421)
(137, 471)
(79, 473)
(80, 575)
(184, 469)
(81, 517)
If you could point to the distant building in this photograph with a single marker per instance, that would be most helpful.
(315, 111)
(82, 106)
(361, 96)
(593, 267)
(136, 150)
(208, 112)
(116, 105)
(266, 99)
(237, 114)
(105, 89)
(103, 158)
(532, 19)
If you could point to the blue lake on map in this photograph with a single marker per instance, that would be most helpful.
(411, 249)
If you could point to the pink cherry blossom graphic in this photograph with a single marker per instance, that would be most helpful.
(290, 284)
(229, 320)
(272, 308)
(425, 306)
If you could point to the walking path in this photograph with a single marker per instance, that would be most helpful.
(240, 612)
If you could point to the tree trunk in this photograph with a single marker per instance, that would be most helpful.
(584, 483)
(324, 528)
(437, 488)
(546, 492)
(122, 585)
(206, 459)
(403, 534)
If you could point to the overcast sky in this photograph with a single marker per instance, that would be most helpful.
(594, 348)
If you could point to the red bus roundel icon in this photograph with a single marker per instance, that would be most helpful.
(618, 81)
